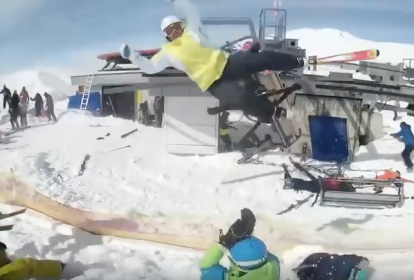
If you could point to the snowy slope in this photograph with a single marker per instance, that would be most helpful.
(39, 81)
(199, 190)
(36, 81)
(145, 179)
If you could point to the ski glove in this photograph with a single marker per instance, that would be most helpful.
(125, 51)
(239, 230)
(236, 232)
(249, 219)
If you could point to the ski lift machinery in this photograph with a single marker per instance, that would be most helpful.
(276, 42)
(387, 80)
(386, 85)
(363, 192)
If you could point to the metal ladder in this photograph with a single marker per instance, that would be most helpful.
(86, 92)
(272, 23)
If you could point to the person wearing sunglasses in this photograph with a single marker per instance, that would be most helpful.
(214, 70)
(325, 266)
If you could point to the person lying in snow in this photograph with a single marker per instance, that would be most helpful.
(212, 69)
(406, 136)
(312, 185)
(324, 266)
(28, 268)
(248, 255)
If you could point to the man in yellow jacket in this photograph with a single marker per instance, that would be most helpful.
(212, 69)
(28, 268)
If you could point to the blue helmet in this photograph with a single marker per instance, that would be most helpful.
(360, 275)
(249, 253)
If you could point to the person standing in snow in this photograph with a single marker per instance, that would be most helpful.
(224, 131)
(50, 107)
(158, 110)
(248, 255)
(212, 69)
(24, 102)
(143, 110)
(38, 104)
(323, 266)
(14, 110)
(406, 136)
(6, 96)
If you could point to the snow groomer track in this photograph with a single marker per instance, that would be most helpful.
(198, 232)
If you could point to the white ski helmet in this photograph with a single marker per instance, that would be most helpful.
(168, 20)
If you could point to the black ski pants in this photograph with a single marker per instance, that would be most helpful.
(14, 114)
(38, 110)
(406, 155)
(51, 114)
(234, 89)
(227, 142)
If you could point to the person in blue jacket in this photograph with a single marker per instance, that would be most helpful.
(325, 266)
(248, 255)
(406, 136)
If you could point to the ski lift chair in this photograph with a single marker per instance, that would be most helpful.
(262, 86)
(363, 200)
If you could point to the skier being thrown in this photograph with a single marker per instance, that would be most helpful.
(212, 69)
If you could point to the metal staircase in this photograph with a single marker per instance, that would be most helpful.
(86, 92)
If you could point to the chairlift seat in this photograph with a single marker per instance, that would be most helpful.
(360, 200)
(270, 80)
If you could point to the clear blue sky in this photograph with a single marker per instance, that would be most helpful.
(47, 32)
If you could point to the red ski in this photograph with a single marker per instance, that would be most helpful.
(348, 57)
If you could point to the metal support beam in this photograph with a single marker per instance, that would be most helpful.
(232, 21)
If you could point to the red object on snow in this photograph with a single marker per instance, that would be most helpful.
(247, 45)
(390, 174)
(332, 183)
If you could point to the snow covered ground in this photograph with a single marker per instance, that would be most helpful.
(198, 190)
(145, 179)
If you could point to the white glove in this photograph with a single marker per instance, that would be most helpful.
(125, 51)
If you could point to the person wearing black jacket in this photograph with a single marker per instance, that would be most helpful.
(38, 104)
(6, 96)
(159, 110)
(14, 110)
(312, 185)
(50, 107)
(325, 266)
